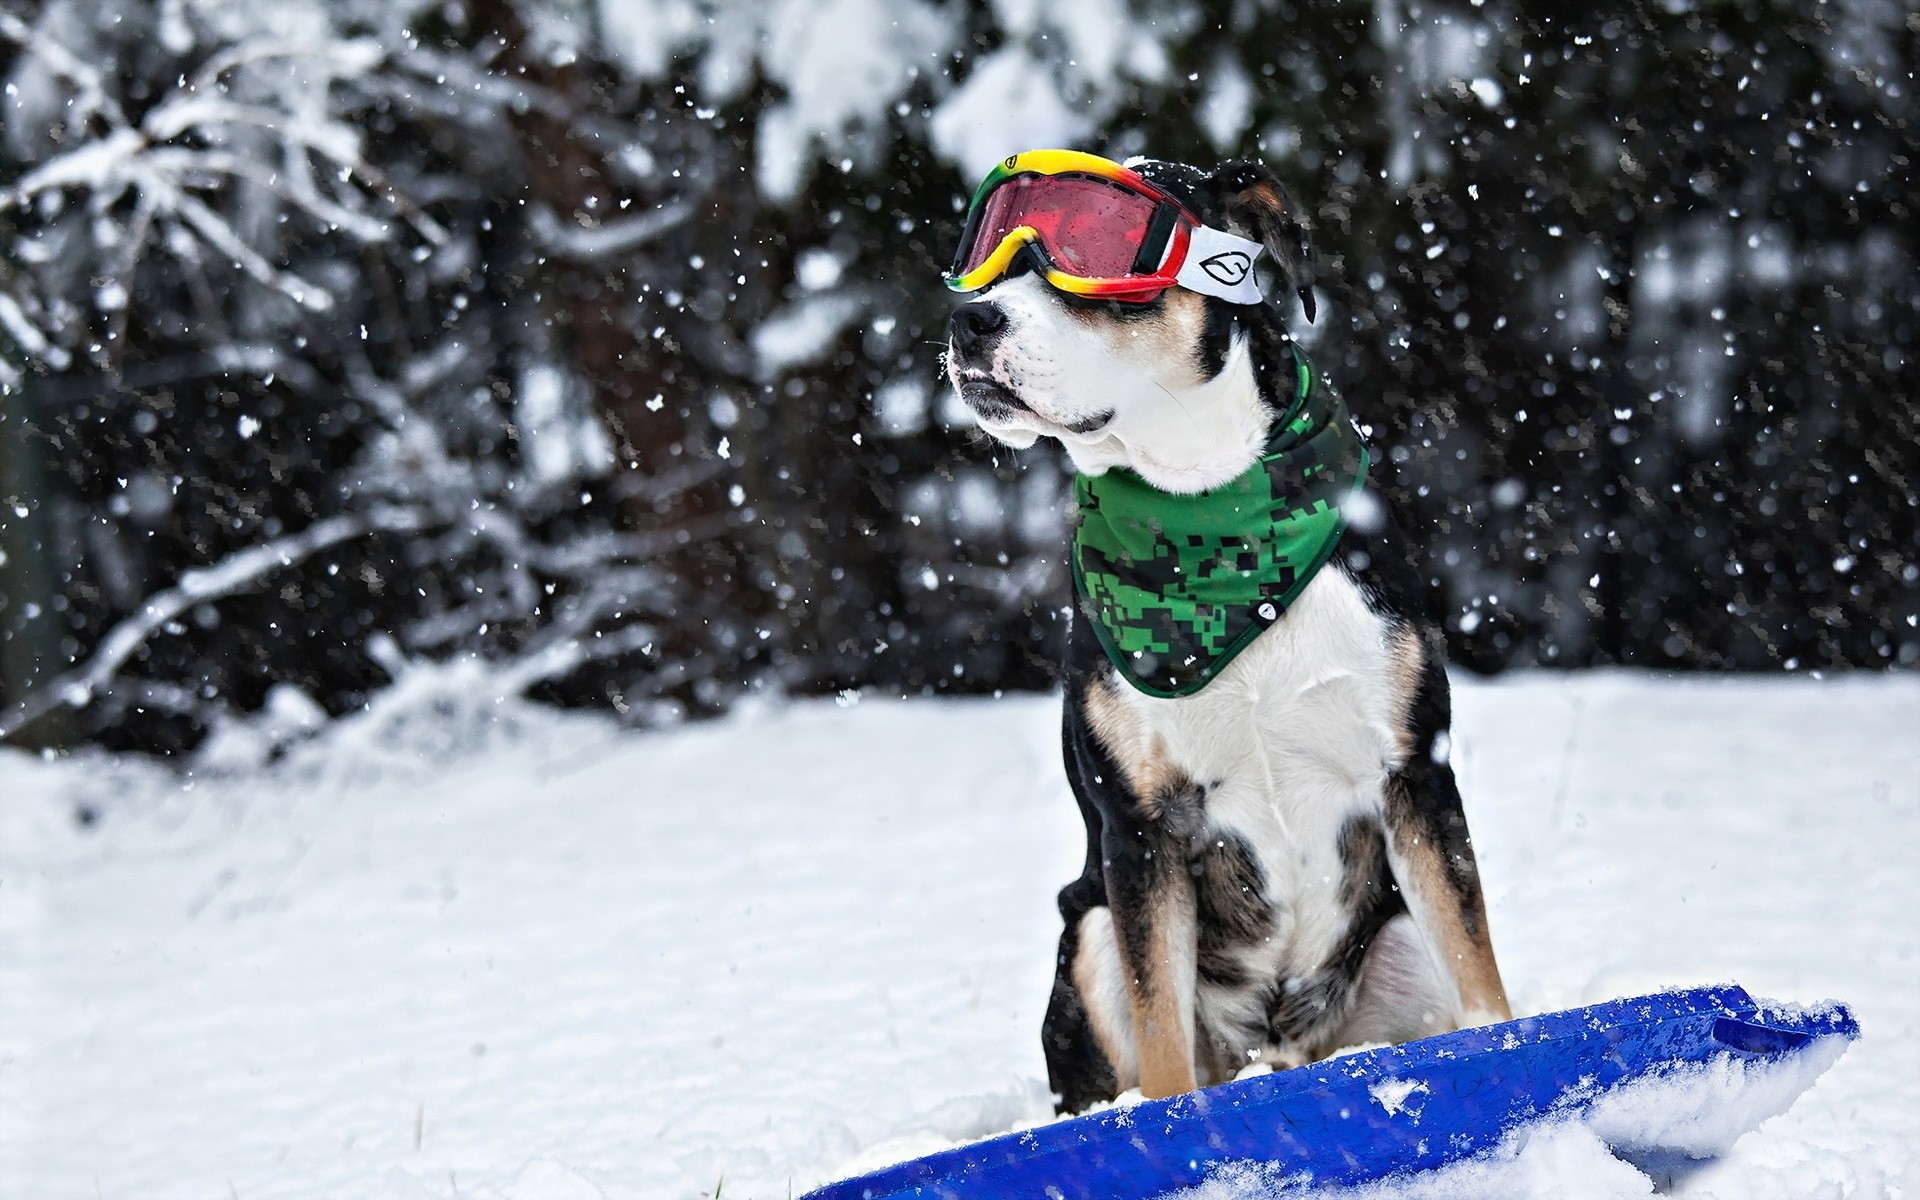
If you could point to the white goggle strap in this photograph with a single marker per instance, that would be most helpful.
(1220, 264)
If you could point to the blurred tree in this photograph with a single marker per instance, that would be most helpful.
(612, 330)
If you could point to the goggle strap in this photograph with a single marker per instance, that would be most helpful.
(1221, 264)
(1153, 248)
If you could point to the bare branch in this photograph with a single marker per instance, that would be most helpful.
(239, 570)
(100, 165)
(94, 97)
(563, 658)
(27, 335)
(181, 160)
(186, 111)
(609, 238)
(353, 57)
(218, 234)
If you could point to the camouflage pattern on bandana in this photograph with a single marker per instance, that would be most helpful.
(1176, 586)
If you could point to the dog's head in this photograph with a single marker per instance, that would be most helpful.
(1167, 387)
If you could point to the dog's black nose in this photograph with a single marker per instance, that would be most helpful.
(971, 325)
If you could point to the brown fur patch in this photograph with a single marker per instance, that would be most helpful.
(1256, 210)
(1160, 945)
(1406, 664)
(1162, 1029)
(1160, 344)
(1142, 756)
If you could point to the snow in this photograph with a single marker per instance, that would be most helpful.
(606, 239)
(839, 65)
(560, 439)
(1055, 82)
(461, 944)
(901, 405)
(1700, 1111)
(842, 63)
(644, 35)
(805, 330)
(1228, 106)
(1060, 75)
(816, 270)
(1009, 103)
(1394, 1094)
(1561, 1162)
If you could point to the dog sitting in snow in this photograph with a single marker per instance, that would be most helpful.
(1256, 703)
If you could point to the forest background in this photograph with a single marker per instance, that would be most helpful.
(602, 340)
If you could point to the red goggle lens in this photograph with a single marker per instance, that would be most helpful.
(1088, 227)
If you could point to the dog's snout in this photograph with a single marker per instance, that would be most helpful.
(972, 325)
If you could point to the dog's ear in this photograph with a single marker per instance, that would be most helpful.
(1257, 206)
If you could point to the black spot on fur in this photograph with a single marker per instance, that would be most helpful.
(1230, 893)
(1366, 878)
(1179, 803)
(1077, 1069)
(1423, 799)
(1304, 1007)
(1216, 338)
(1184, 183)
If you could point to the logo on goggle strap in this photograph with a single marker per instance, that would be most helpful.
(1228, 266)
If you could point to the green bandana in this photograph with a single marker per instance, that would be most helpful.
(1176, 586)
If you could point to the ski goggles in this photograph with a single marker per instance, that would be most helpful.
(1099, 230)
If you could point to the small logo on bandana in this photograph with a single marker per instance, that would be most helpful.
(1228, 266)
(1267, 612)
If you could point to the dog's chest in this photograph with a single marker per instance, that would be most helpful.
(1296, 737)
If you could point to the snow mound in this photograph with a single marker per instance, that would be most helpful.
(1701, 1109)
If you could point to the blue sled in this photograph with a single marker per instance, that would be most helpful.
(1370, 1115)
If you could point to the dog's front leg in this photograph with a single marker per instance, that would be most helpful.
(1151, 812)
(1150, 892)
(1433, 860)
(1428, 847)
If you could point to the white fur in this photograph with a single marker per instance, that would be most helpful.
(1296, 736)
(1403, 994)
(1180, 432)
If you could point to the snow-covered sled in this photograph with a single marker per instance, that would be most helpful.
(1659, 1079)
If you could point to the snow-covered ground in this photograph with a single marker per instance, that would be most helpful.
(462, 946)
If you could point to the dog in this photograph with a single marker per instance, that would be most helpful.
(1277, 864)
